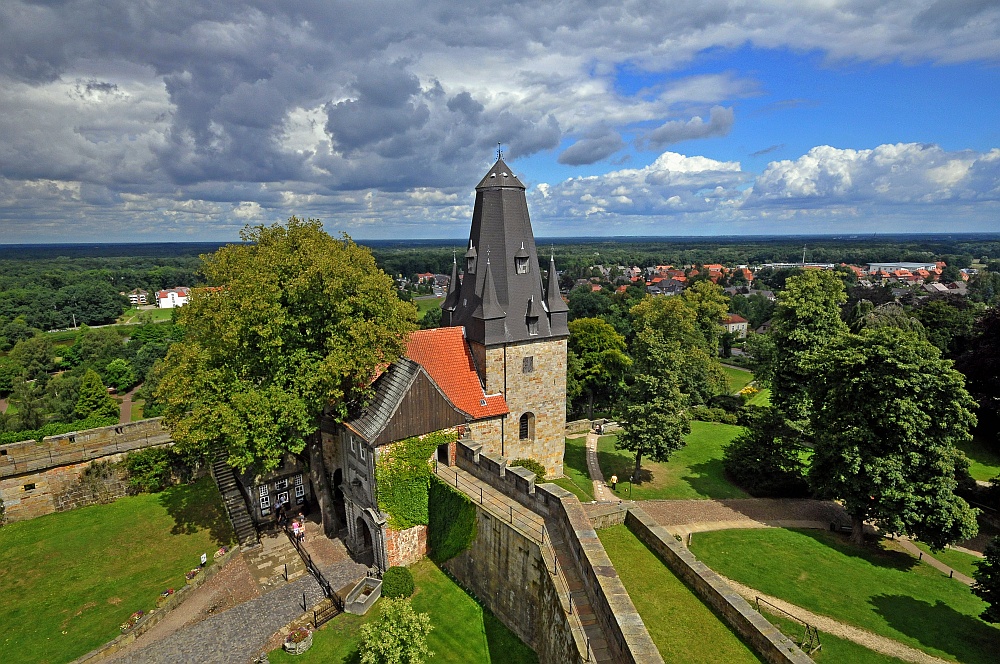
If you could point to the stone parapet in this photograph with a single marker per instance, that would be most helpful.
(32, 456)
(764, 637)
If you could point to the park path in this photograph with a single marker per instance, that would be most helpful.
(3, 405)
(928, 558)
(601, 492)
(870, 640)
(126, 409)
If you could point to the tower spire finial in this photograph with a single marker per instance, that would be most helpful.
(499, 152)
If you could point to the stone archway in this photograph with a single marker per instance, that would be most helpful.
(365, 552)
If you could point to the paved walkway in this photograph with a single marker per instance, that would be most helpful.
(601, 491)
(126, 407)
(528, 523)
(928, 558)
(872, 641)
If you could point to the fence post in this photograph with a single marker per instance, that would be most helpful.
(480, 495)
(456, 479)
(511, 508)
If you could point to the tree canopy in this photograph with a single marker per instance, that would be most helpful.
(602, 360)
(299, 322)
(886, 414)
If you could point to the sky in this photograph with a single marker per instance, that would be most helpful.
(170, 120)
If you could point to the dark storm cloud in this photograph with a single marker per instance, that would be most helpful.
(592, 148)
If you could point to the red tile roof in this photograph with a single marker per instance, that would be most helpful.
(446, 357)
(732, 319)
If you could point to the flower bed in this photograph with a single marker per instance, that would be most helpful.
(298, 641)
(132, 621)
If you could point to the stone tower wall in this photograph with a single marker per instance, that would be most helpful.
(542, 392)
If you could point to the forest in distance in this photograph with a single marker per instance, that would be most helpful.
(48, 287)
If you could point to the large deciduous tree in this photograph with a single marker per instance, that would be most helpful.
(987, 585)
(603, 361)
(981, 366)
(886, 413)
(806, 319)
(300, 326)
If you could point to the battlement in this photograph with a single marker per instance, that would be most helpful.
(31, 456)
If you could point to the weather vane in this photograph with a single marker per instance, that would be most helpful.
(499, 152)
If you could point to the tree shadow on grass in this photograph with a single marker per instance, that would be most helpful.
(873, 553)
(195, 507)
(939, 626)
(622, 464)
(709, 479)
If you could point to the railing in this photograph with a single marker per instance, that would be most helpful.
(17, 464)
(496, 503)
(809, 642)
(311, 567)
(322, 616)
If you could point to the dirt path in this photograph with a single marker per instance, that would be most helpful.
(872, 641)
(681, 517)
(3, 405)
(126, 409)
(911, 548)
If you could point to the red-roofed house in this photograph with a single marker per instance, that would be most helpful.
(735, 324)
(172, 297)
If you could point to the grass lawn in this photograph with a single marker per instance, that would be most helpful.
(156, 315)
(463, 630)
(577, 477)
(425, 304)
(985, 461)
(70, 579)
(137, 410)
(762, 398)
(694, 471)
(681, 626)
(835, 650)
(887, 592)
(738, 378)
(957, 560)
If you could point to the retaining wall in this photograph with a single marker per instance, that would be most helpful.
(763, 637)
(629, 641)
(38, 478)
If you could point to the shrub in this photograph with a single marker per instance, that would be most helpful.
(150, 470)
(705, 414)
(397, 582)
(728, 402)
(398, 635)
(56, 429)
(532, 465)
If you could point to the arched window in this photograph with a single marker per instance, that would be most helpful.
(526, 428)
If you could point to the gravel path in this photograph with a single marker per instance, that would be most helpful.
(911, 548)
(681, 517)
(872, 641)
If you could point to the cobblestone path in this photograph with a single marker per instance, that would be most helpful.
(241, 632)
(872, 641)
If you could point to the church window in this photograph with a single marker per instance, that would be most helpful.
(522, 265)
(526, 429)
(528, 364)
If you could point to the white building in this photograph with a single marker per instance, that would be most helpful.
(172, 297)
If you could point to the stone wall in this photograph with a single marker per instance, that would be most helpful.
(578, 426)
(405, 547)
(38, 478)
(542, 392)
(629, 641)
(71, 448)
(762, 636)
(507, 572)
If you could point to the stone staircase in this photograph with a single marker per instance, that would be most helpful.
(580, 610)
(236, 506)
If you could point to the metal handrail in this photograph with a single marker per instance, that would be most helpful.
(518, 516)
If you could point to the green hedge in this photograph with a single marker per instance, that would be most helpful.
(397, 582)
(56, 429)
(452, 521)
(403, 476)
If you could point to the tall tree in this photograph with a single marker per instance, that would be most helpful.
(806, 319)
(301, 325)
(987, 585)
(886, 414)
(34, 355)
(93, 399)
(981, 366)
(603, 361)
(653, 416)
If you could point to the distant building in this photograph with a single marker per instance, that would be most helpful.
(172, 297)
(138, 297)
(735, 324)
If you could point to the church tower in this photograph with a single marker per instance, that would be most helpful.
(515, 325)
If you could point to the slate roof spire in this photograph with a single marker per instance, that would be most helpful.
(451, 299)
(494, 298)
(553, 300)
